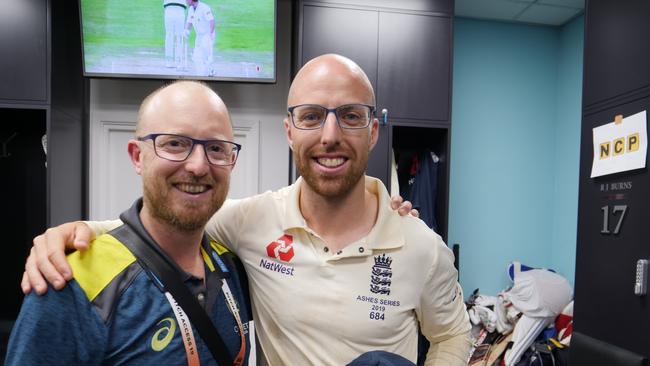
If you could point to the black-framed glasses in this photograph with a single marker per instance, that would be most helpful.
(348, 116)
(178, 148)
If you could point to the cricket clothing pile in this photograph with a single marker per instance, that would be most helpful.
(531, 318)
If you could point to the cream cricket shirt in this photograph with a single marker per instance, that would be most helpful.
(316, 307)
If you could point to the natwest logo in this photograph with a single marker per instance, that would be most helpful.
(281, 248)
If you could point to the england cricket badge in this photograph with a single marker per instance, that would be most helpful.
(381, 275)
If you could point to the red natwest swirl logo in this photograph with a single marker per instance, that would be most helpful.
(281, 248)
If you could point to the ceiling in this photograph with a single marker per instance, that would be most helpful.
(545, 12)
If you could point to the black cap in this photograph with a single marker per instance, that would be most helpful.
(380, 358)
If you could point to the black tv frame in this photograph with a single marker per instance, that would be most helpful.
(271, 80)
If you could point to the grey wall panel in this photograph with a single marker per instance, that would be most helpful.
(66, 130)
(322, 30)
(66, 157)
(617, 51)
(23, 44)
(438, 6)
(379, 160)
(414, 66)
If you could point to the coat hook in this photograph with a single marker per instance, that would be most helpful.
(5, 153)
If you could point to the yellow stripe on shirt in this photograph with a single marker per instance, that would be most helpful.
(96, 267)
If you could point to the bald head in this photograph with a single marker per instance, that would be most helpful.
(185, 109)
(178, 97)
(331, 70)
(332, 158)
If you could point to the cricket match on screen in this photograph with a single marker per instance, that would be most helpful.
(206, 39)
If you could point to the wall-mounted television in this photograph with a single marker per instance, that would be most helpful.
(231, 40)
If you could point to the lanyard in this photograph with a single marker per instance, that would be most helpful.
(186, 331)
(184, 323)
(232, 304)
(234, 309)
(163, 271)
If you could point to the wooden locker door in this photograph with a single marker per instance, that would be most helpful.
(414, 67)
(613, 233)
(348, 32)
(616, 36)
(25, 55)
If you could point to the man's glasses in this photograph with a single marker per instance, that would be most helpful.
(348, 116)
(178, 148)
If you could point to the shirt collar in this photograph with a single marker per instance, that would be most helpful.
(292, 216)
(131, 217)
(385, 234)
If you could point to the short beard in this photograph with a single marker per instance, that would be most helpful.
(158, 205)
(328, 187)
(180, 223)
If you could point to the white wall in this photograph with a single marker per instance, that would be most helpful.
(118, 100)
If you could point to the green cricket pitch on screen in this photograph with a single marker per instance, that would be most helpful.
(128, 39)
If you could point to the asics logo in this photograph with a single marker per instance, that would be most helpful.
(163, 335)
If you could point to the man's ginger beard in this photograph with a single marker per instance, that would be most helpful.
(325, 185)
(183, 216)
